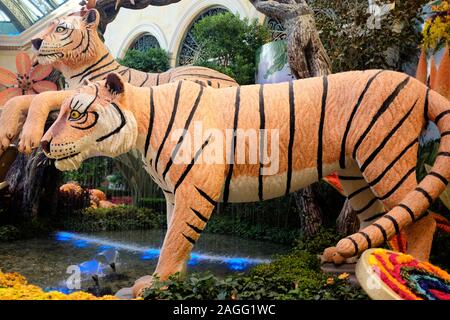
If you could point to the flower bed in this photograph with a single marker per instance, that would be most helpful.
(14, 286)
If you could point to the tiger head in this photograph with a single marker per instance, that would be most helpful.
(69, 40)
(93, 122)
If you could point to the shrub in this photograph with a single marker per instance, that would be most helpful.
(8, 233)
(293, 276)
(118, 218)
(151, 60)
(229, 44)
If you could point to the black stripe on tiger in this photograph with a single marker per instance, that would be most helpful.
(190, 165)
(170, 124)
(425, 108)
(123, 122)
(408, 209)
(88, 42)
(104, 73)
(189, 239)
(355, 245)
(321, 125)
(445, 133)
(352, 116)
(146, 78)
(394, 222)
(350, 178)
(96, 69)
(226, 192)
(206, 196)
(391, 165)
(68, 36)
(367, 206)
(440, 116)
(425, 194)
(439, 176)
(398, 184)
(194, 228)
(366, 236)
(150, 123)
(262, 127)
(383, 143)
(204, 76)
(383, 232)
(91, 66)
(81, 42)
(291, 136)
(375, 216)
(443, 154)
(355, 193)
(385, 105)
(89, 126)
(157, 79)
(186, 127)
(199, 215)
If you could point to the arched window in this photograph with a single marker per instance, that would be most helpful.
(277, 29)
(188, 48)
(145, 42)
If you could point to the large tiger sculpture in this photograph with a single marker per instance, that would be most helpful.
(71, 45)
(363, 124)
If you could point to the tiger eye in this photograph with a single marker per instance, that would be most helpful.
(60, 29)
(75, 114)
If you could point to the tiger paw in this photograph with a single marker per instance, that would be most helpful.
(141, 284)
(8, 130)
(30, 139)
(331, 255)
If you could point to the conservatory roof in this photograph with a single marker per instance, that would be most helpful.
(18, 15)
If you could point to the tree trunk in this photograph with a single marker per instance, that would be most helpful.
(307, 58)
(347, 223)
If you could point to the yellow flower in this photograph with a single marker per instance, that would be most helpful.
(343, 276)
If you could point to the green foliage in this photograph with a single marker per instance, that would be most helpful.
(228, 44)
(91, 173)
(354, 44)
(293, 276)
(151, 60)
(440, 255)
(118, 218)
(8, 233)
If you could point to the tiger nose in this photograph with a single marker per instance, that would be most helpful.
(36, 43)
(45, 145)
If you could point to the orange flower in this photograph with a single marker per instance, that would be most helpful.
(28, 80)
(330, 281)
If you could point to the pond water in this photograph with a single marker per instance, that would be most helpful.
(51, 263)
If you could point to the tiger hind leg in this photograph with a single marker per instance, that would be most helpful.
(390, 184)
(362, 200)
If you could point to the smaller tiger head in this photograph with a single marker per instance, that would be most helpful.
(93, 122)
(70, 39)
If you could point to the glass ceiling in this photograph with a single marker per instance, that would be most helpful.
(18, 15)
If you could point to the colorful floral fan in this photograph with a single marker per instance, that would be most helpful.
(389, 275)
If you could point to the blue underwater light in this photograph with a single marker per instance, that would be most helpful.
(64, 236)
(237, 264)
(150, 254)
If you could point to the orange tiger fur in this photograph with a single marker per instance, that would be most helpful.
(363, 124)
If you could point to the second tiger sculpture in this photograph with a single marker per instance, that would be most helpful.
(363, 124)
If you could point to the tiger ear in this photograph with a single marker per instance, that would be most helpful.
(115, 84)
(92, 17)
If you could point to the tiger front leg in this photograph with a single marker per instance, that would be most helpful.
(40, 107)
(11, 119)
(193, 208)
